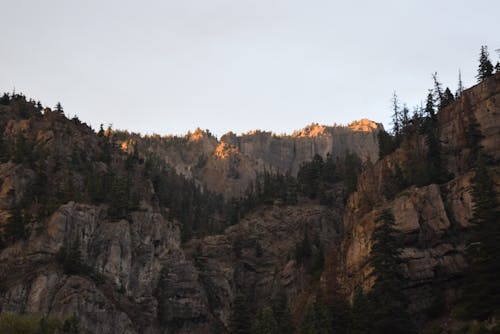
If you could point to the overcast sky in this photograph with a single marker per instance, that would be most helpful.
(171, 66)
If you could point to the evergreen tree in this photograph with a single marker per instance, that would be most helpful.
(59, 108)
(448, 97)
(385, 144)
(16, 227)
(240, 322)
(282, 314)
(265, 322)
(438, 91)
(429, 106)
(497, 67)
(396, 115)
(473, 138)
(71, 325)
(361, 314)
(387, 297)
(485, 69)
(483, 289)
(460, 86)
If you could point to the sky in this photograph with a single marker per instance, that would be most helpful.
(169, 66)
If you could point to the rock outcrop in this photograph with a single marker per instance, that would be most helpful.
(228, 165)
(433, 220)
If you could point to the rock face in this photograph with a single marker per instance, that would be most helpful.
(148, 284)
(432, 221)
(229, 164)
(130, 255)
(255, 257)
(481, 105)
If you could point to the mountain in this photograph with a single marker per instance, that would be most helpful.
(128, 233)
(228, 165)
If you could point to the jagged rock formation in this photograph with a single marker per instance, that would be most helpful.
(229, 164)
(137, 276)
(431, 220)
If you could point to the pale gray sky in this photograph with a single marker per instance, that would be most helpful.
(170, 66)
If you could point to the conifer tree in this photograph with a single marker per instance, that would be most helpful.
(388, 300)
(497, 67)
(448, 97)
(385, 144)
(485, 69)
(460, 86)
(265, 322)
(429, 106)
(396, 115)
(282, 314)
(438, 91)
(240, 322)
(361, 314)
(483, 289)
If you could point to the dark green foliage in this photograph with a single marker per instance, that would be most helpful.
(448, 98)
(482, 293)
(12, 323)
(71, 259)
(497, 67)
(265, 323)
(396, 116)
(317, 319)
(485, 69)
(429, 106)
(352, 169)
(388, 300)
(303, 249)
(282, 314)
(240, 321)
(386, 144)
(71, 325)
(17, 225)
(361, 314)
(473, 137)
(309, 176)
(59, 108)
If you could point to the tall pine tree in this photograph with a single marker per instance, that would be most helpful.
(485, 69)
(482, 293)
(387, 297)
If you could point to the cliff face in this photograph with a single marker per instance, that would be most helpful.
(228, 165)
(137, 277)
(432, 221)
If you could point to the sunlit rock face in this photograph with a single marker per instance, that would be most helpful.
(229, 164)
(433, 220)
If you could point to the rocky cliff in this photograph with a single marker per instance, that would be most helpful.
(432, 220)
(122, 268)
(229, 164)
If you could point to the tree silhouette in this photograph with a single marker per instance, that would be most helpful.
(485, 69)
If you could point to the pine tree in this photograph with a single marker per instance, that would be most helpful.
(460, 86)
(497, 67)
(473, 138)
(387, 297)
(429, 106)
(385, 144)
(483, 289)
(282, 314)
(485, 69)
(448, 97)
(361, 314)
(240, 322)
(396, 115)
(16, 227)
(265, 322)
(438, 91)
(59, 107)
